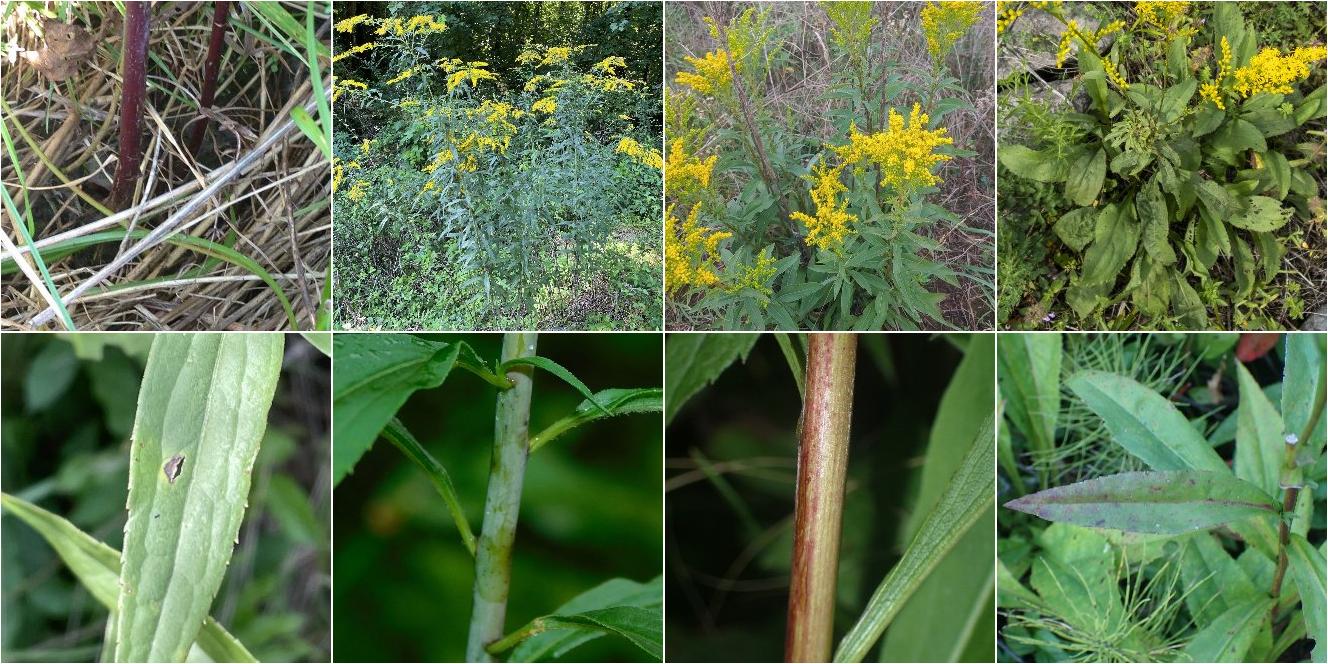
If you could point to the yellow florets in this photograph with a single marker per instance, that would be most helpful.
(712, 73)
(851, 25)
(1006, 13)
(685, 174)
(358, 191)
(473, 72)
(945, 22)
(342, 85)
(348, 25)
(1114, 75)
(647, 156)
(905, 152)
(402, 76)
(1270, 71)
(756, 276)
(830, 226)
(1160, 14)
(689, 252)
(353, 50)
(1212, 91)
(424, 25)
(545, 105)
(610, 65)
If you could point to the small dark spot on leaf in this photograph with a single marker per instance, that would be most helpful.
(172, 467)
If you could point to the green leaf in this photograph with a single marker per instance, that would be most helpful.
(551, 642)
(1263, 214)
(1151, 209)
(97, 567)
(1216, 582)
(320, 340)
(1213, 196)
(201, 415)
(956, 593)
(971, 490)
(1031, 164)
(1238, 135)
(1302, 382)
(1260, 440)
(52, 371)
(1084, 180)
(1228, 637)
(1160, 502)
(396, 433)
(559, 371)
(643, 627)
(1186, 303)
(693, 361)
(1308, 570)
(1116, 236)
(1030, 378)
(1075, 228)
(373, 375)
(607, 403)
(1177, 97)
(1145, 423)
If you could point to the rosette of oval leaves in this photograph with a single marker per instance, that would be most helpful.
(374, 376)
(870, 272)
(1174, 192)
(1251, 607)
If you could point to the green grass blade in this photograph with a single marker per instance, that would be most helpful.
(206, 247)
(311, 46)
(97, 567)
(606, 403)
(202, 410)
(1031, 384)
(41, 264)
(971, 490)
(311, 129)
(397, 434)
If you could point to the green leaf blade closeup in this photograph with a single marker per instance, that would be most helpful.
(1229, 637)
(1145, 423)
(97, 567)
(971, 490)
(1308, 569)
(693, 361)
(606, 403)
(555, 641)
(1158, 502)
(1260, 439)
(201, 415)
(374, 375)
(561, 372)
(1030, 373)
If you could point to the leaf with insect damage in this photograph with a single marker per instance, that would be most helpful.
(202, 410)
(1160, 502)
(1307, 569)
(97, 567)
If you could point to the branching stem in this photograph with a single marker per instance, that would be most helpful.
(827, 410)
(502, 503)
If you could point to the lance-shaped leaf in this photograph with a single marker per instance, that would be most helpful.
(592, 614)
(1031, 384)
(1260, 441)
(1229, 637)
(201, 414)
(693, 361)
(1160, 502)
(97, 567)
(607, 403)
(1307, 568)
(1145, 423)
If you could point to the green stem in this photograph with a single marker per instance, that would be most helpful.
(493, 553)
(819, 505)
(1292, 481)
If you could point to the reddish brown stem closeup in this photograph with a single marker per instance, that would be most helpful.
(134, 73)
(210, 67)
(827, 409)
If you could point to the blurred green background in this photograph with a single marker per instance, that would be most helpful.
(68, 406)
(590, 509)
(732, 461)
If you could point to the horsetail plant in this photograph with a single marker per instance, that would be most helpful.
(375, 375)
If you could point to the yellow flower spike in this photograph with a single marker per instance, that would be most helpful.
(712, 73)
(610, 65)
(830, 227)
(1271, 72)
(944, 23)
(756, 276)
(905, 152)
(689, 252)
(685, 175)
(402, 76)
(348, 25)
(353, 50)
(1114, 75)
(1160, 14)
(649, 157)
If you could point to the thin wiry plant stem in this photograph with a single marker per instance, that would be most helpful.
(210, 66)
(507, 469)
(134, 71)
(827, 409)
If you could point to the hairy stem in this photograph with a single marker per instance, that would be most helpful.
(827, 410)
(134, 72)
(210, 66)
(493, 552)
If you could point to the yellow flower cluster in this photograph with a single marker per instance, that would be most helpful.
(851, 25)
(353, 50)
(439, 159)
(1270, 71)
(342, 85)
(358, 191)
(610, 65)
(712, 73)
(689, 252)
(1087, 40)
(1212, 91)
(1006, 14)
(944, 23)
(1114, 75)
(829, 227)
(473, 72)
(686, 174)
(423, 25)
(545, 105)
(348, 25)
(405, 74)
(648, 156)
(905, 151)
(756, 276)
(1160, 14)
(607, 83)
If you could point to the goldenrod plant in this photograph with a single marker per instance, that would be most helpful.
(481, 183)
(808, 148)
(1183, 181)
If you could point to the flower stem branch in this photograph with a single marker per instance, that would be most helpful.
(134, 72)
(502, 503)
(822, 463)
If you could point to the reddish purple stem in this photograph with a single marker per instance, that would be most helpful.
(210, 67)
(134, 71)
